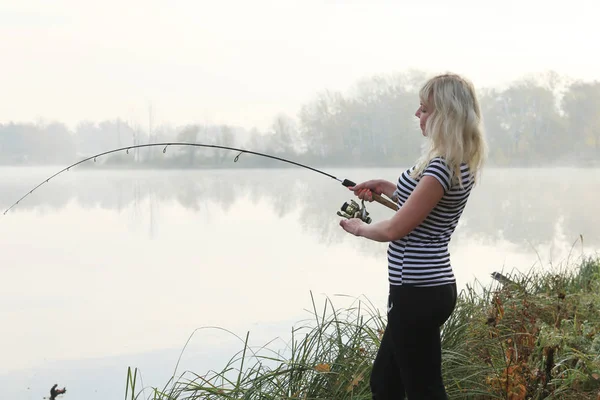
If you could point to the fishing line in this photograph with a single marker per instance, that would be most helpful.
(345, 182)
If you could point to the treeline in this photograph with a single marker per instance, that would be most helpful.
(545, 119)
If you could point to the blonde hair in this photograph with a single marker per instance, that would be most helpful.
(454, 129)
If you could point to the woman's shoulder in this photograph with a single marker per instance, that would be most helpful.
(441, 162)
(440, 165)
(450, 176)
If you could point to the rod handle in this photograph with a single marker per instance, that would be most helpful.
(382, 200)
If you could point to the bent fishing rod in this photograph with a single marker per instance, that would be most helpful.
(349, 210)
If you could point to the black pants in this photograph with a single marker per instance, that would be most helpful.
(409, 359)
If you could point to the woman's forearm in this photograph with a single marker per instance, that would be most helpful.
(388, 188)
(379, 232)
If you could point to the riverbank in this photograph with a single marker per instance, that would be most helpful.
(532, 336)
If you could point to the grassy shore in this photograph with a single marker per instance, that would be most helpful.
(534, 336)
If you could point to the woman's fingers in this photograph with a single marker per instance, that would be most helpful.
(364, 194)
(362, 191)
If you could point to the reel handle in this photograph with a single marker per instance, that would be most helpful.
(376, 197)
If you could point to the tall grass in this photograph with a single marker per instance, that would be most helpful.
(535, 336)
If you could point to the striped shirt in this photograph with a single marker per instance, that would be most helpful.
(421, 258)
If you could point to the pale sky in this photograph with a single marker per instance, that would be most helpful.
(242, 62)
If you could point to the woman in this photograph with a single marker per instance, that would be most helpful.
(431, 195)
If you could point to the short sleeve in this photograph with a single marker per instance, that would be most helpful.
(439, 170)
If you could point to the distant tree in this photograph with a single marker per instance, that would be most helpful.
(189, 133)
(16, 141)
(224, 137)
(57, 143)
(581, 104)
(375, 124)
(321, 125)
(283, 136)
(523, 123)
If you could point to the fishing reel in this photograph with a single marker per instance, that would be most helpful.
(353, 210)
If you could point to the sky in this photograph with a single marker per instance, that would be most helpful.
(244, 62)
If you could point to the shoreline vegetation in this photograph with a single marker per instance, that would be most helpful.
(525, 336)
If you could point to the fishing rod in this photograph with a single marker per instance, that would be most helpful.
(348, 210)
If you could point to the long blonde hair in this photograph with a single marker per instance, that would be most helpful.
(454, 129)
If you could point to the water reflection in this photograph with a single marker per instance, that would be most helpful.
(523, 206)
(134, 261)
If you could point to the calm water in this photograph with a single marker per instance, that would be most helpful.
(108, 269)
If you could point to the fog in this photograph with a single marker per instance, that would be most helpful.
(329, 83)
(106, 269)
(325, 81)
(542, 120)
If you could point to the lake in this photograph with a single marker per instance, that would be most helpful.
(105, 269)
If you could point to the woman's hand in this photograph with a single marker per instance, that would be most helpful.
(364, 190)
(352, 225)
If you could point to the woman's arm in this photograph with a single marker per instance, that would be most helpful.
(386, 187)
(417, 207)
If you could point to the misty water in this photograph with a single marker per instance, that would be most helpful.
(117, 268)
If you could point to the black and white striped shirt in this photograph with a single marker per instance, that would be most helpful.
(421, 258)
